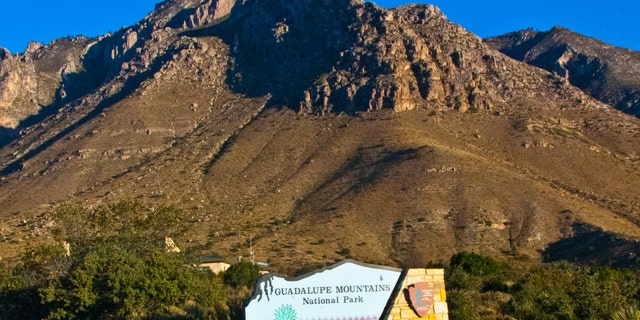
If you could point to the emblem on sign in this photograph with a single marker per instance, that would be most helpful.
(421, 295)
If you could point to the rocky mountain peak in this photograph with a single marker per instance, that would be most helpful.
(348, 56)
(418, 13)
(412, 57)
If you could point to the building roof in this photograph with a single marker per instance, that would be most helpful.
(210, 258)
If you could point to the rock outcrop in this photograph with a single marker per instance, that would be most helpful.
(208, 12)
(170, 246)
(38, 82)
(17, 90)
(32, 80)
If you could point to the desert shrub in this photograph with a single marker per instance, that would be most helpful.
(545, 291)
(565, 291)
(627, 313)
(241, 274)
(236, 301)
(19, 299)
(471, 280)
(478, 265)
(600, 292)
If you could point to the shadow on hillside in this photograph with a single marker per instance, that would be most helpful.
(7, 135)
(594, 246)
(361, 171)
(279, 51)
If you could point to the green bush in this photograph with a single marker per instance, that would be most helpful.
(564, 291)
(462, 305)
(544, 293)
(478, 265)
(627, 313)
(116, 269)
(114, 282)
(468, 270)
(241, 274)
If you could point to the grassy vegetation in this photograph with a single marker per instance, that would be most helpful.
(483, 288)
(117, 269)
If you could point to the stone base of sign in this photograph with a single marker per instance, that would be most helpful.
(402, 308)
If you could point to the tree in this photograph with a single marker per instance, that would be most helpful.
(114, 282)
(468, 270)
(116, 269)
(242, 274)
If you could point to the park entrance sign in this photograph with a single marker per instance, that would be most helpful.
(346, 290)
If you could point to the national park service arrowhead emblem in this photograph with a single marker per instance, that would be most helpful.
(421, 295)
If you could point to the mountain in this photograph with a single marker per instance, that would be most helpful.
(605, 72)
(315, 130)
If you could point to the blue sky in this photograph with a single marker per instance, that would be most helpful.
(613, 21)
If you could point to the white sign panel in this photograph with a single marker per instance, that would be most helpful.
(347, 290)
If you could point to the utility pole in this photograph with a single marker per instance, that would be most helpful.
(251, 255)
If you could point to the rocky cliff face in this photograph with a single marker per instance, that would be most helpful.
(314, 126)
(32, 80)
(605, 72)
(15, 77)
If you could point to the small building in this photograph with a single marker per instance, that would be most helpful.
(264, 267)
(214, 263)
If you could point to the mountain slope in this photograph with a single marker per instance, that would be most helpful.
(608, 73)
(320, 129)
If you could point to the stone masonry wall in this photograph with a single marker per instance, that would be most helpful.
(402, 308)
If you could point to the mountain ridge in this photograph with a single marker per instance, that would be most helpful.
(603, 71)
(402, 138)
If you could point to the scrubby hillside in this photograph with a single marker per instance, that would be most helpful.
(315, 130)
